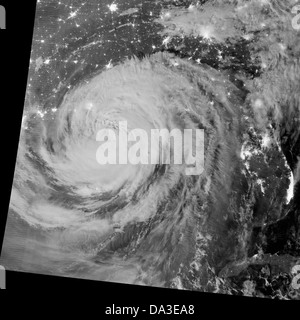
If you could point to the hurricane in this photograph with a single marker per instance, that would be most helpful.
(154, 224)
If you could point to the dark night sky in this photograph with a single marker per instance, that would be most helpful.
(73, 40)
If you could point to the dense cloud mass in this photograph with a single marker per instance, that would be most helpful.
(230, 68)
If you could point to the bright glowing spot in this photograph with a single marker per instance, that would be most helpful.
(260, 182)
(245, 153)
(166, 41)
(258, 104)
(89, 105)
(266, 141)
(167, 15)
(113, 7)
(220, 57)
(248, 36)
(290, 193)
(109, 65)
(206, 32)
(41, 114)
(73, 15)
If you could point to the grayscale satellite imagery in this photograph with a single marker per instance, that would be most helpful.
(160, 146)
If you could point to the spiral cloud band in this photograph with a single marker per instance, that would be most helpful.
(61, 188)
(160, 146)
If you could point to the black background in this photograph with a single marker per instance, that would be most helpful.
(15, 44)
(15, 48)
